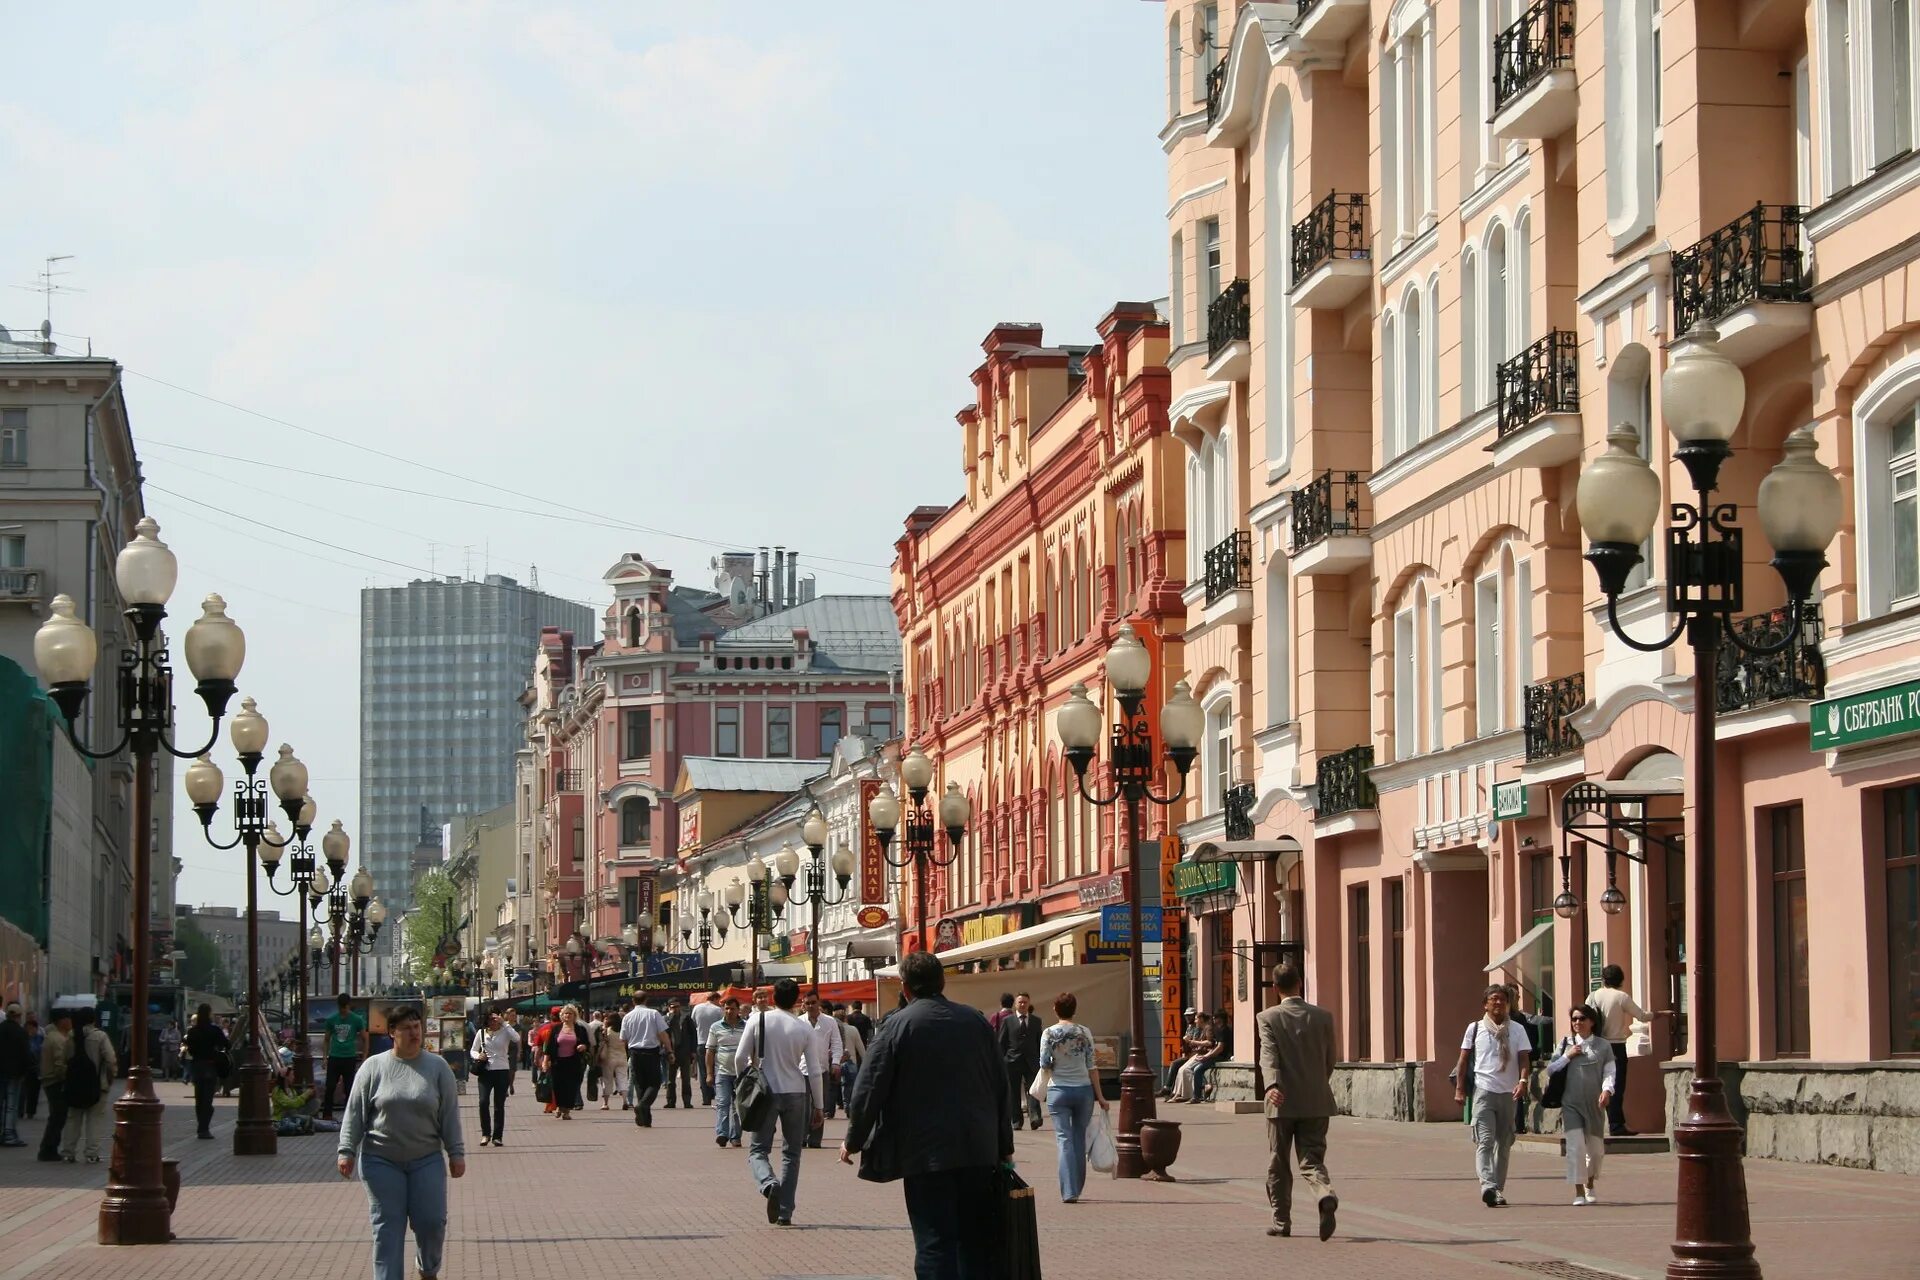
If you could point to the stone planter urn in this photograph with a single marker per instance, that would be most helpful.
(1159, 1148)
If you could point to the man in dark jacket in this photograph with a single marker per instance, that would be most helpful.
(15, 1061)
(680, 1034)
(1019, 1040)
(931, 1108)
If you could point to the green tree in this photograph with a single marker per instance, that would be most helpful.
(202, 968)
(436, 911)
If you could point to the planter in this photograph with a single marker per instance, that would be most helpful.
(1159, 1148)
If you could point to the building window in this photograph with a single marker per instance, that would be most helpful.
(830, 726)
(1891, 103)
(13, 551)
(726, 731)
(636, 733)
(1886, 419)
(1416, 673)
(629, 902)
(1503, 640)
(1177, 297)
(1174, 61)
(1216, 772)
(1407, 109)
(779, 731)
(1474, 371)
(880, 721)
(1279, 644)
(1394, 983)
(1277, 281)
(1906, 508)
(1209, 269)
(636, 821)
(1872, 86)
(1790, 1004)
(13, 437)
(1902, 836)
(1358, 909)
(1210, 31)
(1836, 58)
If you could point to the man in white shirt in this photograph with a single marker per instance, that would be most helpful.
(644, 1032)
(781, 1045)
(1618, 1012)
(704, 1016)
(1494, 1055)
(828, 1050)
(849, 1068)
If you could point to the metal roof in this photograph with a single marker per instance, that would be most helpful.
(727, 773)
(849, 633)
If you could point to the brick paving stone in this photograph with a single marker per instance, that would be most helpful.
(667, 1204)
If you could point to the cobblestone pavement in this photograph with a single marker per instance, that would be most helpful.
(664, 1203)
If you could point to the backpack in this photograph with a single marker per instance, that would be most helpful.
(83, 1077)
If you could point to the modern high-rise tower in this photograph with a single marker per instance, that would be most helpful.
(442, 665)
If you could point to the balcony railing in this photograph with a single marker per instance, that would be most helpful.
(1543, 379)
(20, 584)
(1798, 671)
(570, 779)
(1236, 804)
(1549, 703)
(1341, 784)
(1328, 506)
(1229, 318)
(1526, 51)
(1229, 565)
(1755, 258)
(1336, 228)
(1216, 90)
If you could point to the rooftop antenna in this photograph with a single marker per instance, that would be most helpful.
(47, 284)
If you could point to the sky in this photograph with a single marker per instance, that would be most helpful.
(567, 280)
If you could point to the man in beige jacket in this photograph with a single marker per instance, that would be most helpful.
(1296, 1059)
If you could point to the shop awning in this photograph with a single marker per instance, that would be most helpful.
(1527, 955)
(1008, 943)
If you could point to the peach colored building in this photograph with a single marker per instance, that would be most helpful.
(1423, 256)
(1070, 527)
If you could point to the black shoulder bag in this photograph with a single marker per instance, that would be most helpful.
(752, 1100)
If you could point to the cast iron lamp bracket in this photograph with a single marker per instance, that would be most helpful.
(1130, 759)
(1609, 820)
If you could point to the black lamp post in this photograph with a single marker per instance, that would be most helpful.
(1702, 399)
(65, 651)
(1133, 769)
(301, 872)
(918, 847)
(814, 890)
(702, 929)
(761, 899)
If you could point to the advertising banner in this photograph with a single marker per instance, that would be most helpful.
(873, 862)
(1116, 924)
(1173, 974)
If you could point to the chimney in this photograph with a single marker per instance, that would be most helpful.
(793, 579)
(760, 578)
(779, 577)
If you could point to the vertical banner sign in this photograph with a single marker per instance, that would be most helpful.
(873, 863)
(643, 893)
(1173, 977)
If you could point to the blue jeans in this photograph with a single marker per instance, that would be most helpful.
(792, 1112)
(726, 1121)
(1071, 1106)
(398, 1194)
(1200, 1073)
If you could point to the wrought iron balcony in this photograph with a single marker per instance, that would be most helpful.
(1328, 506)
(1745, 680)
(570, 779)
(1755, 258)
(1525, 52)
(21, 584)
(1549, 703)
(1335, 228)
(1341, 783)
(1216, 90)
(1229, 318)
(1236, 804)
(1543, 379)
(1229, 565)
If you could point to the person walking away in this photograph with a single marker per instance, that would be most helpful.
(402, 1127)
(1587, 1060)
(782, 1046)
(683, 1042)
(1297, 1058)
(1001, 1014)
(1494, 1055)
(30, 1087)
(610, 1059)
(537, 1044)
(823, 1060)
(930, 1110)
(1066, 1050)
(860, 1022)
(856, 1052)
(1019, 1042)
(207, 1047)
(56, 1050)
(492, 1052)
(90, 1071)
(723, 1040)
(644, 1032)
(346, 1038)
(15, 1060)
(1618, 1012)
(705, 1014)
(169, 1050)
(565, 1053)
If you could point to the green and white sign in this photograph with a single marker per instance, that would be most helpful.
(1509, 800)
(1866, 717)
(1193, 878)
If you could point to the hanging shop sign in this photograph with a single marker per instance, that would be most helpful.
(1509, 800)
(1097, 950)
(1173, 956)
(644, 888)
(871, 917)
(1103, 889)
(993, 925)
(689, 830)
(656, 963)
(1116, 924)
(1191, 878)
(873, 860)
(1866, 717)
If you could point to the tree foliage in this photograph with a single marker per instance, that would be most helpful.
(436, 911)
(202, 968)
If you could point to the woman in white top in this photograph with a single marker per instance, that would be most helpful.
(1066, 1051)
(1586, 1059)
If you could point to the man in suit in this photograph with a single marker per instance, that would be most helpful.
(932, 1081)
(1296, 1059)
(1019, 1039)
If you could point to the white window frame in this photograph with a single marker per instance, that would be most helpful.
(1879, 407)
(1407, 92)
(1490, 712)
(1216, 748)
(13, 550)
(1177, 301)
(1208, 16)
(1176, 59)
(1279, 643)
(1863, 124)
(1435, 697)
(1278, 283)
(1389, 385)
(1473, 374)
(1207, 269)
(1406, 685)
(13, 438)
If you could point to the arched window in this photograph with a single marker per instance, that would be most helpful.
(1173, 67)
(1216, 753)
(1389, 387)
(1473, 375)
(1502, 638)
(1413, 351)
(633, 627)
(636, 821)
(1278, 281)
(1416, 658)
(1407, 112)
(1886, 438)
(1279, 644)
(1498, 295)
(1520, 296)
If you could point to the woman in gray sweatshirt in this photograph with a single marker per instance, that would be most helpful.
(404, 1111)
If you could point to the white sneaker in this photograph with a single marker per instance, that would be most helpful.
(1593, 1197)
(1578, 1200)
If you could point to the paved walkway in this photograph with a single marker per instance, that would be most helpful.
(598, 1193)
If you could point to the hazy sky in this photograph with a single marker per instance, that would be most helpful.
(677, 276)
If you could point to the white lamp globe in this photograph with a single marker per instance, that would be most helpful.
(64, 648)
(146, 570)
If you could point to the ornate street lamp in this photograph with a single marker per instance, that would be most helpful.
(1133, 768)
(1702, 399)
(253, 1131)
(703, 928)
(65, 651)
(814, 891)
(760, 900)
(304, 874)
(918, 846)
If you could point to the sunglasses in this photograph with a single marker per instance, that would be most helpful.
(1579, 1017)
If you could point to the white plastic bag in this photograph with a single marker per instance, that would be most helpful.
(1640, 1040)
(1100, 1153)
(1042, 1081)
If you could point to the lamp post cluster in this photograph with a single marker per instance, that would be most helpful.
(1702, 401)
(813, 890)
(918, 847)
(307, 881)
(351, 918)
(760, 899)
(65, 650)
(706, 930)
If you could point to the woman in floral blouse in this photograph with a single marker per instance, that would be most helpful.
(1066, 1051)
